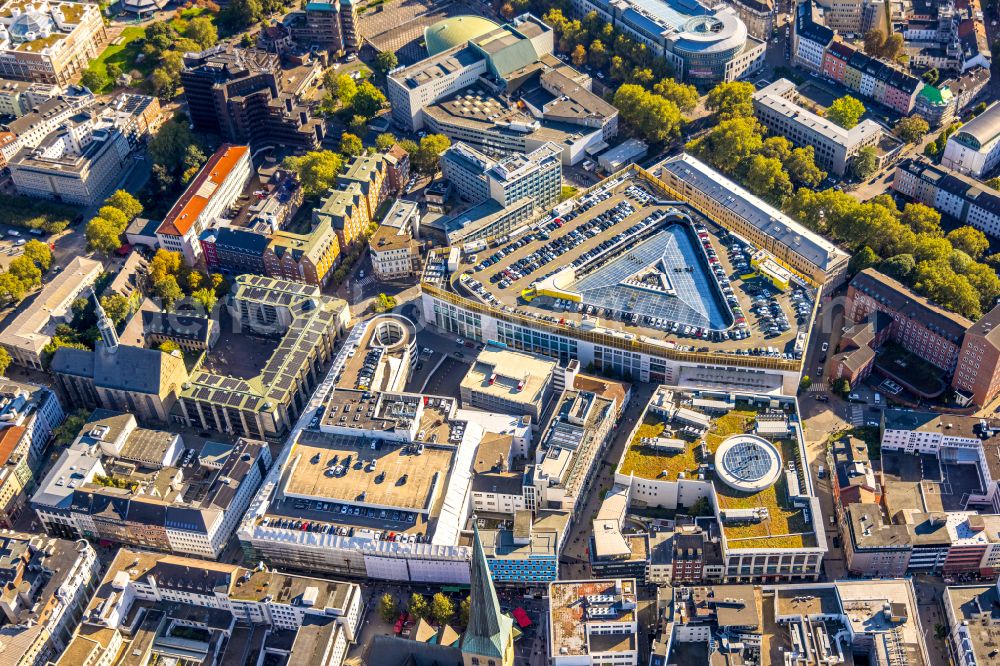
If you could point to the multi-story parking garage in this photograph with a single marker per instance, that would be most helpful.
(628, 279)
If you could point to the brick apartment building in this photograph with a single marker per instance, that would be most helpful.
(978, 371)
(967, 352)
(234, 249)
(923, 328)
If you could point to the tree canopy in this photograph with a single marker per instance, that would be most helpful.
(317, 170)
(652, 117)
(767, 167)
(368, 100)
(683, 95)
(385, 141)
(912, 129)
(846, 111)
(969, 240)
(425, 158)
(731, 100)
(907, 245)
(864, 163)
(386, 61)
(442, 609)
(350, 145)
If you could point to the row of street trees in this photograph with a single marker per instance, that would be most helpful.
(768, 167)
(104, 231)
(440, 609)
(24, 273)
(906, 244)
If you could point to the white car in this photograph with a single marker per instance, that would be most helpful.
(826, 345)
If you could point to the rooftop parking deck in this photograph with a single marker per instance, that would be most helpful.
(347, 469)
(377, 361)
(625, 258)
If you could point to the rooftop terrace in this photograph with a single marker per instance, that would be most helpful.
(572, 604)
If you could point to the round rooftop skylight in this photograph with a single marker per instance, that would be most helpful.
(30, 25)
(748, 463)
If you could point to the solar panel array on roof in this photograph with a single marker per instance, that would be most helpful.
(312, 317)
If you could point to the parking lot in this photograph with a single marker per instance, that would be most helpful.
(645, 267)
(12, 244)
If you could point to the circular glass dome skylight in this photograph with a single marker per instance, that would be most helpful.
(30, 23)
(748, 463)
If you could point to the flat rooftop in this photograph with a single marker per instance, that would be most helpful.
(921, 483)
(314, 458)
(382, 413)
(665, 274)
(979, 607)
(377, 363)
(509, 375)
(664, 447)
(864, 601)
(811, 601)
(206, 577)
(570, 613)
(436, 67)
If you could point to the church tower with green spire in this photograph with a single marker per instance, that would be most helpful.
(489, 638)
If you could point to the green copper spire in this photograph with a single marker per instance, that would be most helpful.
(489, 632)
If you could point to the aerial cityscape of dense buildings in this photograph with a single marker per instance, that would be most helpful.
(489, 334)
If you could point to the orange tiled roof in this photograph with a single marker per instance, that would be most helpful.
(191, 204)
(8, 442)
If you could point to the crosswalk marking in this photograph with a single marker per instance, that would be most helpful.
(857, 415)
(363, 282)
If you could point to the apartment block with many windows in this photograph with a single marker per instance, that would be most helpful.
(149, 606)
(778, 110)
(212, 191)
(952, 193)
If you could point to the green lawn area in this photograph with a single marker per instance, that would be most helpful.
(124, 53)
(649, 463)
(36, 213)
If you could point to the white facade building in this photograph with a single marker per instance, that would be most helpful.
(219, 183)
(53, 574)
(163, 510)
(76, 164)
(975, 148)
(139, 583)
